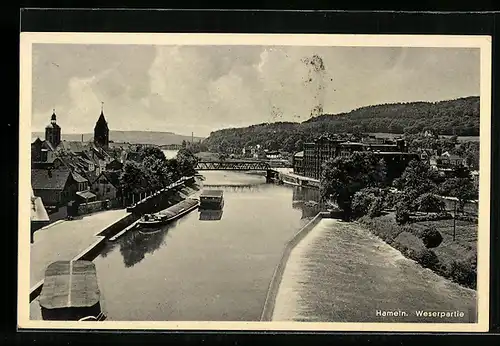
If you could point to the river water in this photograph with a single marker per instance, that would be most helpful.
(204, 266)
(218, 266)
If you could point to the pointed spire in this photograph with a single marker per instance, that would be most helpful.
(102, 107)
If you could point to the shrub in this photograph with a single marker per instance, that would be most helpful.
(413, 247)
(468, 218)
(464, 272)
(402, 213)
(430, 217)
(361, 202)
(430, 203)
(381, 227)
(431, 237)
(375, 207)
(428, 259)
(390, 200)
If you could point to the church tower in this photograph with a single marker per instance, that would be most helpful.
(53, 131)
(101, 131)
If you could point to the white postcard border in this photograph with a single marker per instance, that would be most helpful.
(446, 41)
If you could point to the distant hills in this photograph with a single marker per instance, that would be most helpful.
(452, 117)
(135, 137)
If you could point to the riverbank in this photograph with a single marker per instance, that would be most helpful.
(278, 273)
(452, 259)
(169, 199)
(341, 272)
(72, 240)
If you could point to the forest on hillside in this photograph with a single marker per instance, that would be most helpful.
(458, 117)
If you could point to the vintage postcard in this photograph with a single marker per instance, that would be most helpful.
(254, 182)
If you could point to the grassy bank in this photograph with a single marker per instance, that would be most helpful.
(453, 259)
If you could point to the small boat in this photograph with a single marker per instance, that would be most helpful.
(70, 292)
(154, 221)
(212, 199)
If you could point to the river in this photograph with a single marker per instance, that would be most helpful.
(218, 267)
(204, 266)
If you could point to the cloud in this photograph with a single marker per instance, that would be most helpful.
(199, 89)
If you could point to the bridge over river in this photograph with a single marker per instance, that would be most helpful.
(218, 267)
(237, 165)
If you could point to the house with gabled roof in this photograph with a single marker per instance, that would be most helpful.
(107, 185)
(55, 187)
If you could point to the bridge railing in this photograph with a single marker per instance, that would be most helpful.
(232, 165)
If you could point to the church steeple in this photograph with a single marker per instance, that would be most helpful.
(53, 131)
(101, 130)
(53, 117)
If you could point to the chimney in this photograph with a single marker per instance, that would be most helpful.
(82, 137)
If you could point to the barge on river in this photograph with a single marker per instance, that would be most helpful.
(71, 292)
(153, 221)
(212, 199)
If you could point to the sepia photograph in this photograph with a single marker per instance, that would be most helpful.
(254, 182)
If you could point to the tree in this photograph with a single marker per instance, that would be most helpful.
(184, 143)
(132, 177)
(362, 200)
(429, 202)
(187, 162)
(418, 177)
(146, 151)
(342, 177)
(461, 188)
(158, 173)
(289, 144)
(299, 145)
(402, 213)
(376, 207)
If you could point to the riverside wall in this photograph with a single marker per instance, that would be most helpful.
(160, 199)
(272, 292)
(92, 251)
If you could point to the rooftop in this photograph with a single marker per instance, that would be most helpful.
(38, 211)
(70, 284)
(213, 193)
(86, 194)
(46, 179)
(78, 178)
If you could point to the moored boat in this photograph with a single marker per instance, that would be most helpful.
(71, 292)
(212, 199)
(153, 221)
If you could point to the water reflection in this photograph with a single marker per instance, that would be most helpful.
(134, 245)
(307, 200)
(210, 215)
(237, 188)
(306, 194)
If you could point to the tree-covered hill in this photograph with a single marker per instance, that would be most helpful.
(453, 117)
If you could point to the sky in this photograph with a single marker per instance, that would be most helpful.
(199, 89)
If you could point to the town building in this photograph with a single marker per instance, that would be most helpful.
(56, 187)
(53, 131)
(101, 132)
(309, 162)
(447, 160)
(107, 186)
(298, 163)
(39, 216)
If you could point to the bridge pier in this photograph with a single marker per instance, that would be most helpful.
(269, 176)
